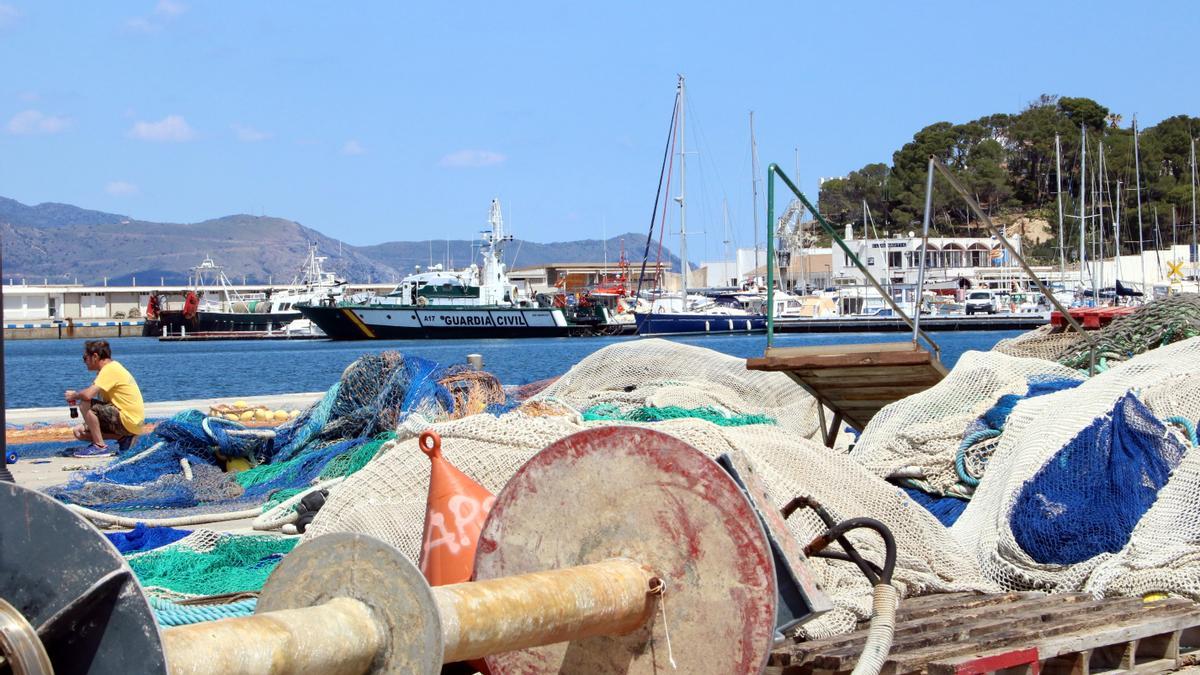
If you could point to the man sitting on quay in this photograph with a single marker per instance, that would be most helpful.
(112, 405)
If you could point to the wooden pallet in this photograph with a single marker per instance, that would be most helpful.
(969, 634)
(855, 381)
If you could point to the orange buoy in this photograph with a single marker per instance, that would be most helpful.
(454, 514)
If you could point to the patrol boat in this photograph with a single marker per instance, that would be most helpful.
(478, 302)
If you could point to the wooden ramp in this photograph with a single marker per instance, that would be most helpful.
(855, 381)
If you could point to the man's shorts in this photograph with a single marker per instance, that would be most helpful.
(110, 418)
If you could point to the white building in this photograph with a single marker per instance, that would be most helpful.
(897, 260)
(742, 268)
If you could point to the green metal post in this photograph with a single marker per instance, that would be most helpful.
(771, 170)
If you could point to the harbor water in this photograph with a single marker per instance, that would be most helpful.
(38, 371)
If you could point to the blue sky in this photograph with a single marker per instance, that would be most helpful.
(383, 121)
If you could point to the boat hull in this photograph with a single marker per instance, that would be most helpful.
(204, 322)
(382, 322)
(699, 324)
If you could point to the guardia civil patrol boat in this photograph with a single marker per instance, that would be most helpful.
(477, 302)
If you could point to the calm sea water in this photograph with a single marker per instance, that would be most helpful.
(37, 371)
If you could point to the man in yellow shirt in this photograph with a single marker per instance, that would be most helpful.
(112, 405)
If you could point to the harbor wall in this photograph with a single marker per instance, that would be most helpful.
(71, 330)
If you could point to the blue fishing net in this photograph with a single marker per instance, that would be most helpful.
(945, 509)
(1088, 497)
(373, 396)
(997, 415)
(143, 538)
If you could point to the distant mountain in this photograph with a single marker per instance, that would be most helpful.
(518, 254)
(65, 243)
(52, 215)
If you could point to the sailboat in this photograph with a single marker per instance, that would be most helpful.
(692, 314)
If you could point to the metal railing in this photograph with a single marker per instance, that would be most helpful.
(772, 171)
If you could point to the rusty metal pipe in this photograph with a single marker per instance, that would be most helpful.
(340, 637)
(499, 615)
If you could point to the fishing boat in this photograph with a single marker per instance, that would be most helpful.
(477, 302)
(214, 305)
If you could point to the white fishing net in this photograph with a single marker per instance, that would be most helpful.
(1163, 549)
(386, 498)
(1047, 342)
(919, 436)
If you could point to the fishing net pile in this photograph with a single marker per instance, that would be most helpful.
(1150, 326)
(939, 441)
(195, 463)
(706, 399)
(1095, 487)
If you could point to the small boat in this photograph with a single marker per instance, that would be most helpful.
(477, 302)
(215, 306)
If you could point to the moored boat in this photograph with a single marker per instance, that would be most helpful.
(478, 302)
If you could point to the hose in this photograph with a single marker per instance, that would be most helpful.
(886, 598)
(181, 521)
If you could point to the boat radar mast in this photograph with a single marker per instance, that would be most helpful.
(493, 282)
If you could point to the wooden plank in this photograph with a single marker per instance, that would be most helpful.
(965, 634)
(788, 352)
(941, 610)
(832, 359)
(1167, 620)
(864, 372)
(1108, 647)
(978, 664)
(1072, 632)
(934, 624)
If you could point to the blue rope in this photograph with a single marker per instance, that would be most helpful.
(1187, 426)
(171, 614)
(959, 457)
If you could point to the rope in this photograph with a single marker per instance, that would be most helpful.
(1188, 427)
(960, 458)
(182, 521)
(171, 614)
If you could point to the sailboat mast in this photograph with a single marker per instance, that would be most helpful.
(683, 258)
(1137, 177)
(754, 186)
(1193, 252)
(1062, 244)
(1082, 204)
(728, 234)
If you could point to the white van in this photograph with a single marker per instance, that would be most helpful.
(981, 301)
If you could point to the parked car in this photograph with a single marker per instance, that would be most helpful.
(981, 301)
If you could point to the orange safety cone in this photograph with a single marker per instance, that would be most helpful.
(454, 515)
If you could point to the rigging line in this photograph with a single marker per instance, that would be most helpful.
(662, 172)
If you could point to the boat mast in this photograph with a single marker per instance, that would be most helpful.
(1137, 177)
(728, 234)
(1101, 174)
(683, 258)
(1062, 245)
(1117, 234)
(1082, 205)
(1193, 252)
(754, 188)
